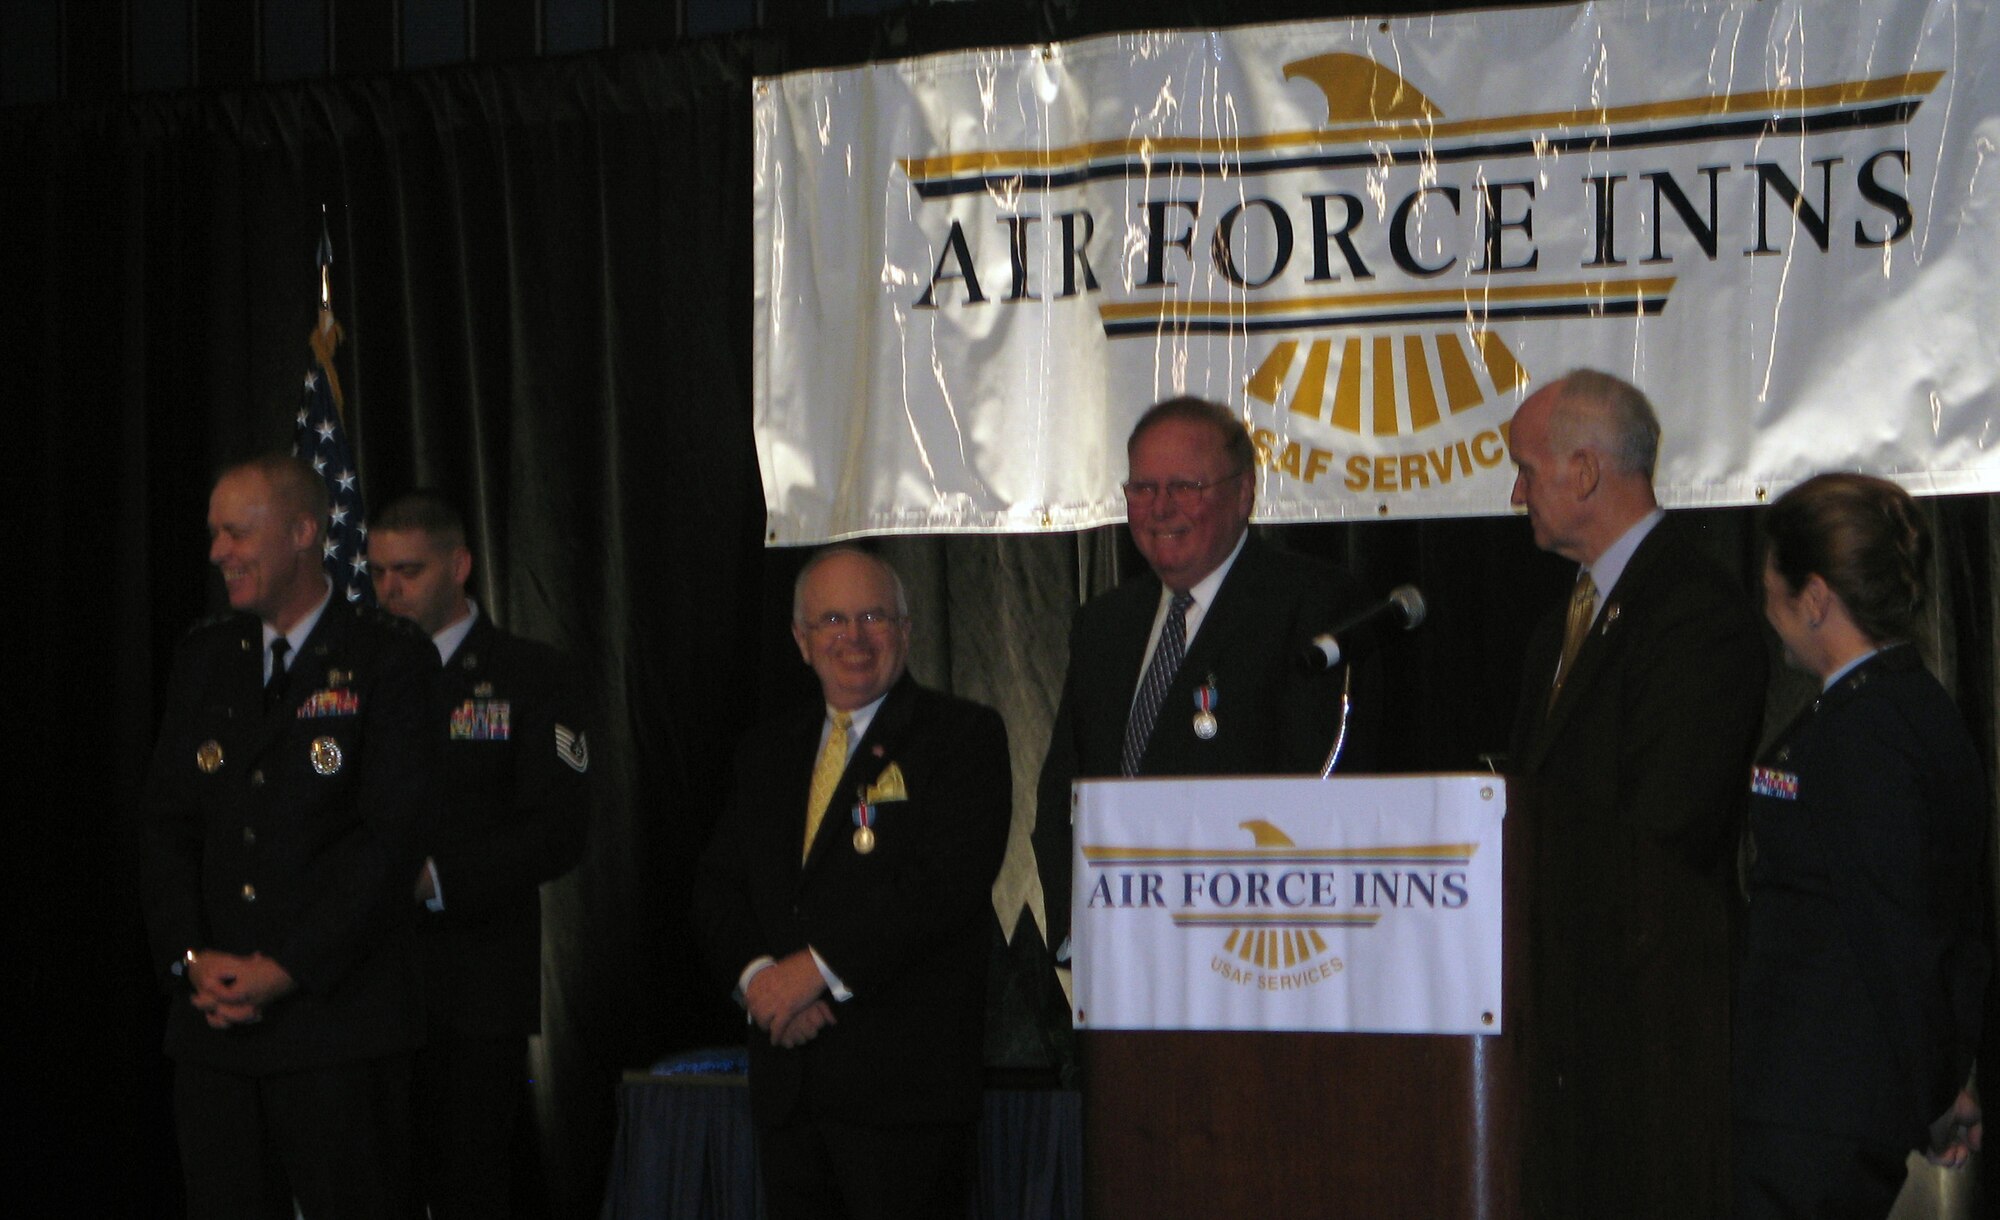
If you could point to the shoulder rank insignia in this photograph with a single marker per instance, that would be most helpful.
(572, 748)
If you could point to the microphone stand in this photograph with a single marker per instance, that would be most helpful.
(1346, 707)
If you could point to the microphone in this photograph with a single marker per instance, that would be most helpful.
(1404, 608)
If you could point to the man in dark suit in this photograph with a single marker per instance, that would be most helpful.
(515, 762)
(1638, 714)
(284, 809)
(1234, 700)
(847, 896)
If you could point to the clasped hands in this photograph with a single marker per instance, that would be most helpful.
(230, 989)
(787, 1000)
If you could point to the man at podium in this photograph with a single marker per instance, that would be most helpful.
(1639, 708)
(1191, 669)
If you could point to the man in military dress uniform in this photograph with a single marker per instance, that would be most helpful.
(283, 817)
(516, 806)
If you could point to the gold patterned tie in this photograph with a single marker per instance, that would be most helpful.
(1582, 609)
(826, 773)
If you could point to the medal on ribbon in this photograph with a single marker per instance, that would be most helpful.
(864, 826)
(1205, 699)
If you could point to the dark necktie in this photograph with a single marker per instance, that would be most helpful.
(1160, 673)
(274, 687)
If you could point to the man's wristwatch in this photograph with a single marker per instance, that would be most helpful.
(183, 967)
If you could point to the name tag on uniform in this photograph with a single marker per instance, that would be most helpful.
(480, 720)
(341, 701)
(1769, 781)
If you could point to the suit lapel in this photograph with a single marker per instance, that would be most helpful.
(1217, 622)
(1128, 645)
(469, 664)
(1600, 644)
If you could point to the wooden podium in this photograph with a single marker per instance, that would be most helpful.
(1200, 1123)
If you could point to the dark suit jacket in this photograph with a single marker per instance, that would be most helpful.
(1633, 786)
(905, 926)
(1865, 959)
(1272, 718)
(516, 808)
(269, 852)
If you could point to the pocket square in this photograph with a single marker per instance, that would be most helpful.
(888, 786)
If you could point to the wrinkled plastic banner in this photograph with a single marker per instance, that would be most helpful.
(1343, 905)
(1372, 238)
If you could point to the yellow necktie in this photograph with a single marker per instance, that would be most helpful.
(826, 773)
(1582, 609)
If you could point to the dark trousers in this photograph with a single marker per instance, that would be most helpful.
(336, 1139)
(468, 1099)
(1788, 1173)
(849, 1171)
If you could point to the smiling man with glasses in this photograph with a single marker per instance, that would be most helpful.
(1190, 669)
(846, 896)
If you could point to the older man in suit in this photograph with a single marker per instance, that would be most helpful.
(847, 895)
(515, 759)
(284, 811)
(1637, 718)
(1192, 668)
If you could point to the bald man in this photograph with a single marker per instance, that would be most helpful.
(847, 897)
(1639, 710)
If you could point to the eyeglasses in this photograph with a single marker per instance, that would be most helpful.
(868, 620)
(1185, 493)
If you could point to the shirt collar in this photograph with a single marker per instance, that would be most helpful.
(1204, 590)
(1608, 567)
(1846, 669)
(859, 720)
(302, 630)
(451, 637)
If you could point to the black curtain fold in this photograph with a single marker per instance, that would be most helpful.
(545, 275)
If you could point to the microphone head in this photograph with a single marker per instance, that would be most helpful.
(1409, 605)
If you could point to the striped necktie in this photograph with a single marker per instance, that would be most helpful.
(1167, 657)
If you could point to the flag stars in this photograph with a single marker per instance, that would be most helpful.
(339, 514)
(330, 549)
(346, 478)
(319, 465)
(360, 565)
(325, 430)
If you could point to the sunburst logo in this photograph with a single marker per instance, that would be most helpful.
(1276, 940)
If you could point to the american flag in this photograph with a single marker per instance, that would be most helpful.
(320, 439)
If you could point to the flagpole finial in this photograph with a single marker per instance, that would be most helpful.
(324, 257)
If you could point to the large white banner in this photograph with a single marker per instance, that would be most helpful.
(1341, 905)
(1372, 237)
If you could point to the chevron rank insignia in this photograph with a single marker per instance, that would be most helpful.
(572, 749)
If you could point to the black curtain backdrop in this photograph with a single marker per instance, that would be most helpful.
(544, 271)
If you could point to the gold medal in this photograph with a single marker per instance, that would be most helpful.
(864, 840)
(325, 755)
(208, 756)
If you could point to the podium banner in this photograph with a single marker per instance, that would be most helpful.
(1343, 905)
(1371, 238)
